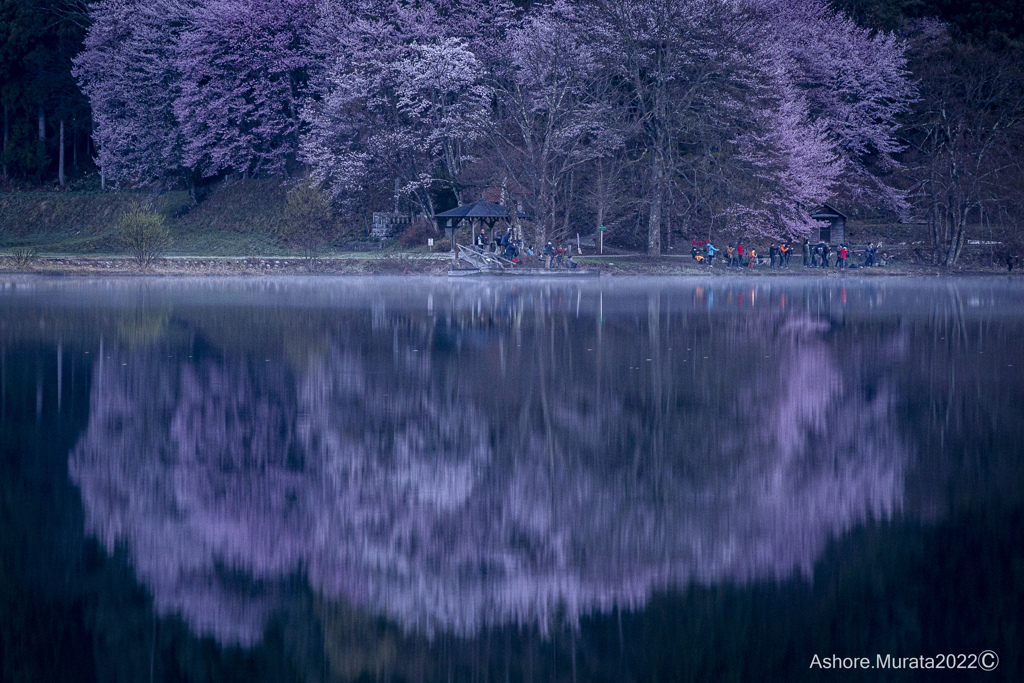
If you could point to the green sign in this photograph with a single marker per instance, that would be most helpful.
(601, 228)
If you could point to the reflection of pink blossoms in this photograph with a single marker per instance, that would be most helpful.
(390, 491)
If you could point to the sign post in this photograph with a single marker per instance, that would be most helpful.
(600, 233)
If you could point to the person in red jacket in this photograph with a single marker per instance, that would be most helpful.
(739, 255)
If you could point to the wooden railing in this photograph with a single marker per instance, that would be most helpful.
(483, 260)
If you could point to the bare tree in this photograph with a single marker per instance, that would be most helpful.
(552, 112)
(966, 135)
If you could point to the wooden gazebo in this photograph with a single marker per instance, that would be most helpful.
(485, 212)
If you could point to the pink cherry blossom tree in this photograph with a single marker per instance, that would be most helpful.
(402, 101)
(128, 70)
(714, 113)
(856, 85)
(443, 99)
(243, 67)
(772, 106)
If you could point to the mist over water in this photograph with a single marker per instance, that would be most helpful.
(456, 457)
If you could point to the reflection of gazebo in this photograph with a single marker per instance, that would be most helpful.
(487, 213)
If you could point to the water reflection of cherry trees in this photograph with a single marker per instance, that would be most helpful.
(498, 455)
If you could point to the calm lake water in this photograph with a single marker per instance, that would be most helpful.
(410, 479)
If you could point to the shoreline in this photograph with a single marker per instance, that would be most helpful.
(431, 265)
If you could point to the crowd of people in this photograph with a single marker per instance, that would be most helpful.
(820, 255)
(511, 248)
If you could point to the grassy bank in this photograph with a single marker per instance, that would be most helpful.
(72, 222)
(244, 219)
(240, 218)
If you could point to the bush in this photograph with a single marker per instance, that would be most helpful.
(308, 218)
(24, 256)
(143, 234)
(417, 233)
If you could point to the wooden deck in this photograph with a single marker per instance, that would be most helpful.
(479, 262)
(525, 272)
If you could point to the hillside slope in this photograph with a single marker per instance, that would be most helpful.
(237, 218)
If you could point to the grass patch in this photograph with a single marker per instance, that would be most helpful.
(27, 214)
(75, 222)
(239, 218)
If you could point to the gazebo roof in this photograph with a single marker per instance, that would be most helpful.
(480, 209)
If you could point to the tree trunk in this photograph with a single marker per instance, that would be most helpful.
(60, 163)
(957, 242)
(949, 232)
(41, 157)
(541, 232)
(74, 148)
(654, 220)
(568, 203)
(103, 177)
(553, 210)
(936, 221)
(7, 136)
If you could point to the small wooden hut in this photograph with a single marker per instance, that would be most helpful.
(834, 231)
